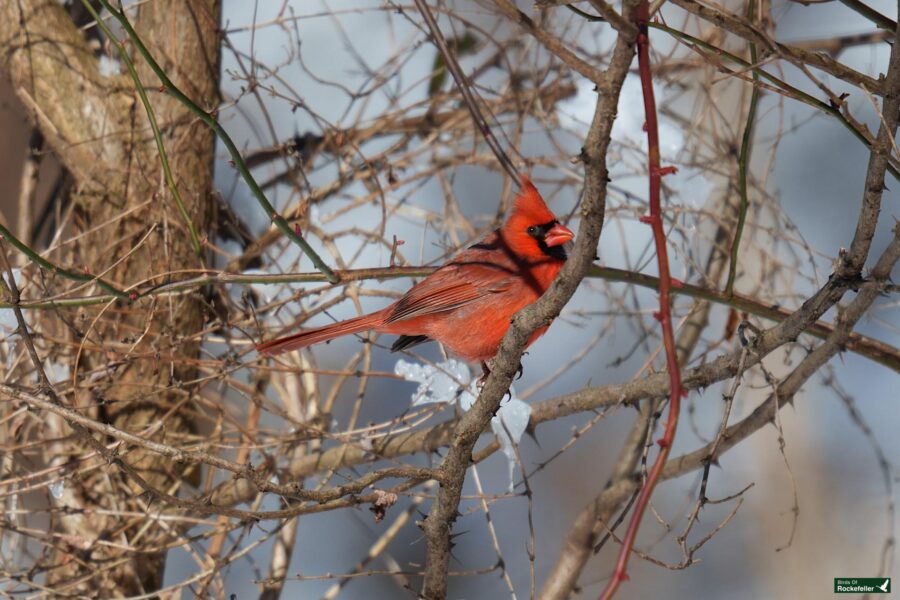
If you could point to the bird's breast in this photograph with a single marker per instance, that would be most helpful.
(474, 332)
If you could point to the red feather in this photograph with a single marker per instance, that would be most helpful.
(467, 304)
(321, 334)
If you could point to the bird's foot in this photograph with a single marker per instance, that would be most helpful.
(521, 369)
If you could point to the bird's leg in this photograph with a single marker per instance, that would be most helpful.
(486, 370)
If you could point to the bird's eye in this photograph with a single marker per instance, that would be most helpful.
(533, 230)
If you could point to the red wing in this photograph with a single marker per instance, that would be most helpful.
(475, 274)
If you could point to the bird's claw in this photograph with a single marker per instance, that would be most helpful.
(486, 371)
(479, 385)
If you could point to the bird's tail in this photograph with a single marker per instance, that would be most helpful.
(321, 334)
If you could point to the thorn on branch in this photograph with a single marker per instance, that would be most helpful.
(663, 171)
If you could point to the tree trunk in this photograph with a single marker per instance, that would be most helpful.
(132, 233)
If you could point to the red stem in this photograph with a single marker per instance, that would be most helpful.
(664, 315)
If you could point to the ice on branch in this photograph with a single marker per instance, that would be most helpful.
(452, 382)
(443, 383)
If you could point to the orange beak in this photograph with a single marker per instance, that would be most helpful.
(558, 235)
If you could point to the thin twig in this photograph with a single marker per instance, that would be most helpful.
(83, 277)
(786, 89)
(744, 165)
(870, 13)
(465, 89)
(236, 157)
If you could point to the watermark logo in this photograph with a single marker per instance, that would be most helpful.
(862, 585)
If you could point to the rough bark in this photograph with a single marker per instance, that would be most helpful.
(99, 130)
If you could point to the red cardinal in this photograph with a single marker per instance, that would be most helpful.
(468, 303)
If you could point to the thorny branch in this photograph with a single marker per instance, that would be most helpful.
(664, 316)
(876, 350)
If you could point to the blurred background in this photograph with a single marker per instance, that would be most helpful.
(296, 76)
